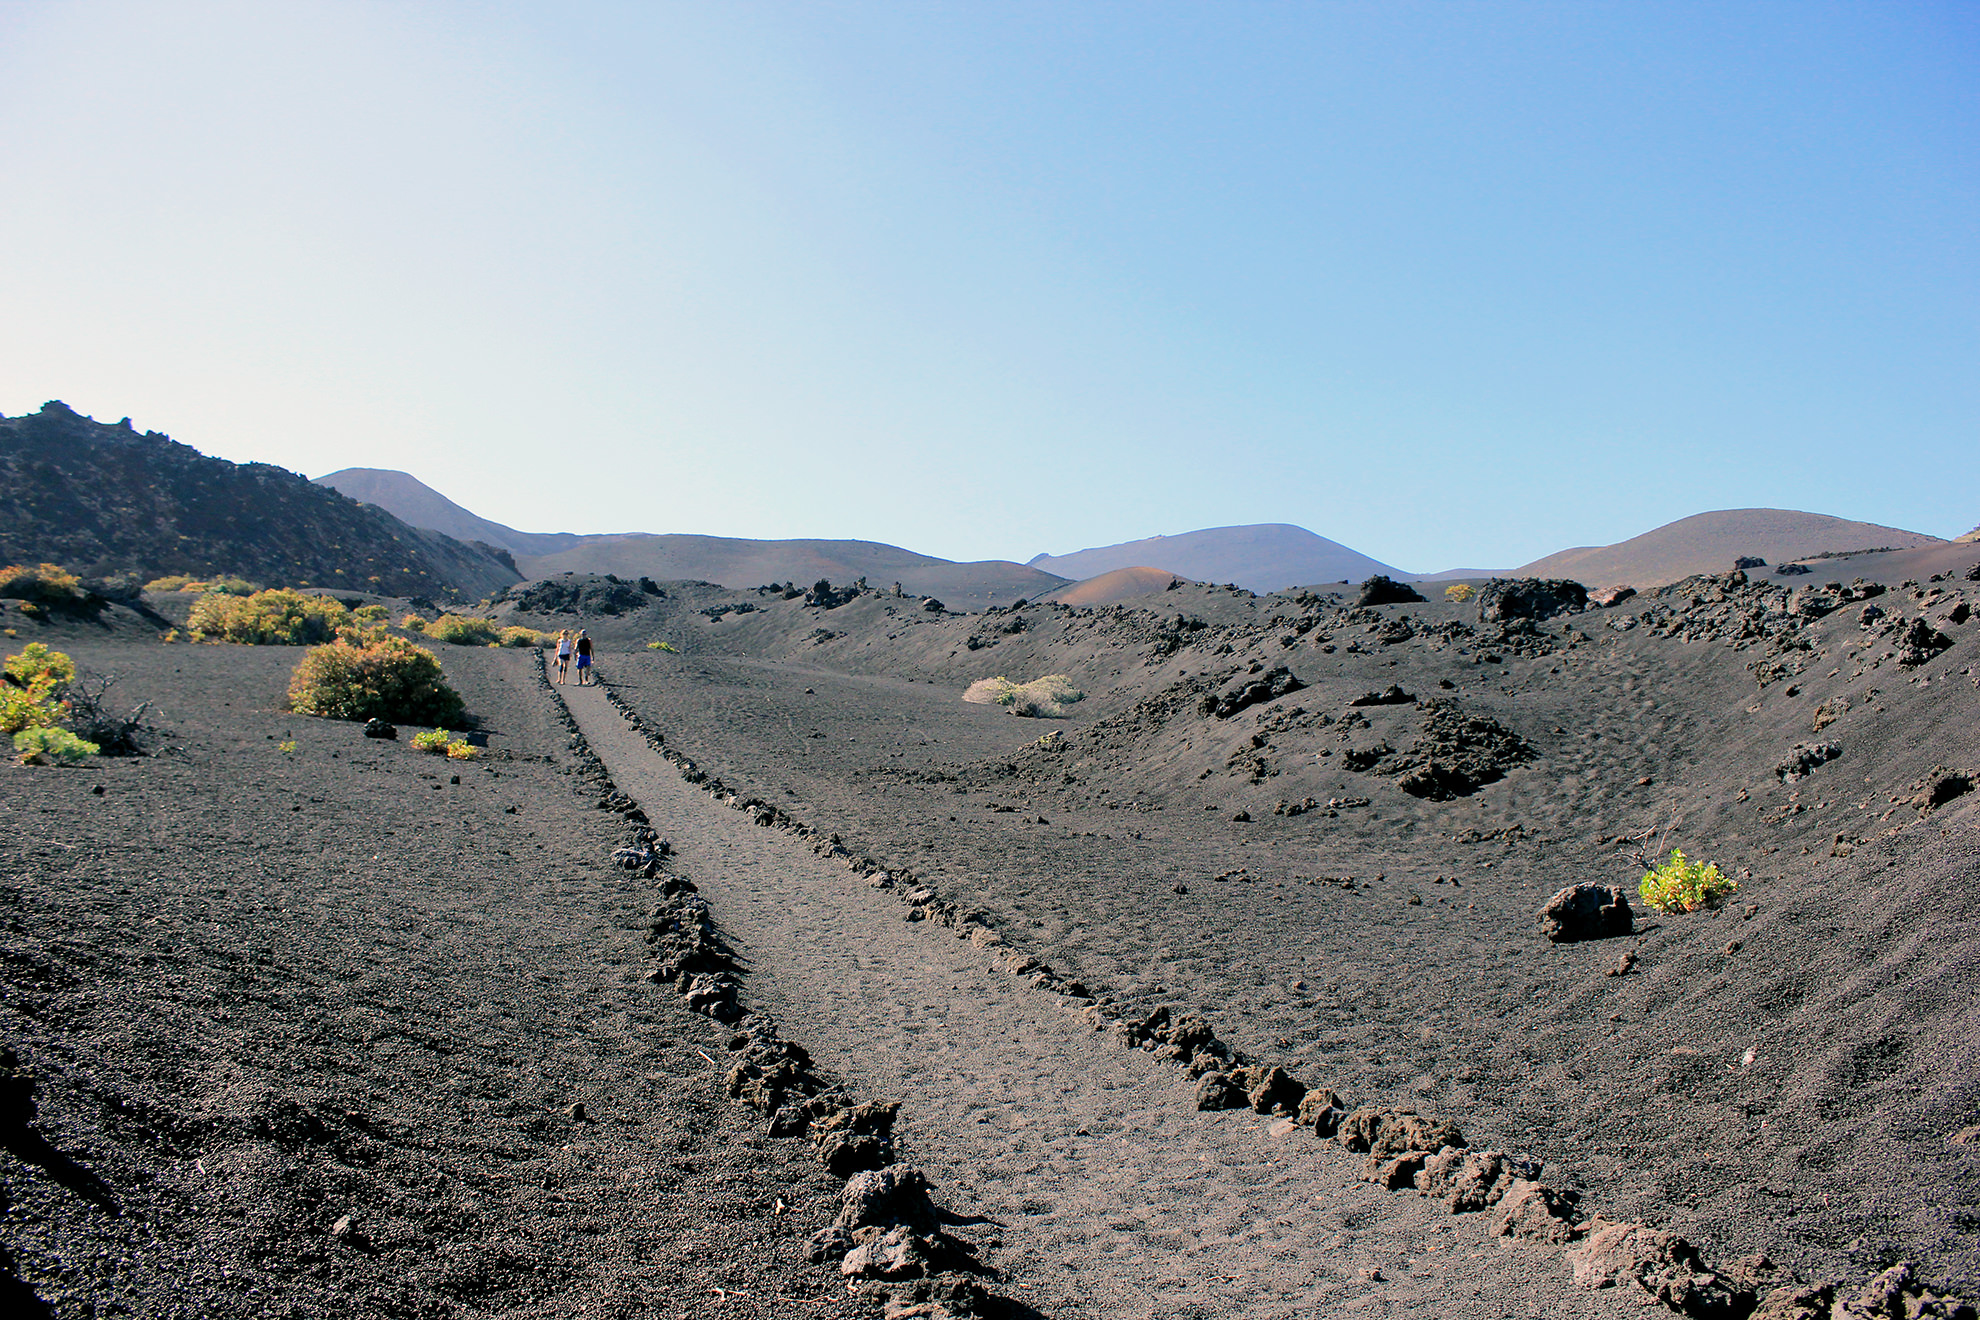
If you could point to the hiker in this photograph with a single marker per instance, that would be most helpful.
(563, 653)
(583, 656)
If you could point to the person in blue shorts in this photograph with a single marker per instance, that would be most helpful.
(583, 657)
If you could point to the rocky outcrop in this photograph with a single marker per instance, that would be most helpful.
(1502, 600)
(1382, 590)
(1250, 690)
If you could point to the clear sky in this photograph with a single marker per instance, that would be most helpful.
(1456, 285)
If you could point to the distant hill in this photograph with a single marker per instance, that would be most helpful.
(1259, 557)
(729, 561)
(1710, 542)
(736, 562)
(101, 499)
(411, 500)
(1121, 584)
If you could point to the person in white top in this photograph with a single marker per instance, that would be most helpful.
(563, 654)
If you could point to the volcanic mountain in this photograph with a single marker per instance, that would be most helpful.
(1710, 542)
(1259, 557)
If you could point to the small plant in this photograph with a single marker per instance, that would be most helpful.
(1460, 592)
(436, 741)
(389, 678)
(51, 746)
(368, 615)
(287, 747)
(170, 582)
(662, 646)
(413, 623)
(169, 636)
(462, 750)
(1685, 886)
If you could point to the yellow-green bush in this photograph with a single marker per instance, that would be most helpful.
(170, 582)
(413, 623)
(388, 678)
(463, 630)
(43, 676)
(517, 635)
(370, 614)
(229, 586)
(47, 584)
(267, 618)
(662, 646)
(1042, 698)
(1460, 592)
(1685, 886)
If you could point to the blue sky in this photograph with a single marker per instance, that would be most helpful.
(1452, 284)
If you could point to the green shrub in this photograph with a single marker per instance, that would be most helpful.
(266, 618)
(46, 584)
(370, 614)
(171, 582)
(463, 630)
(37, 703)
(1460, 592)
(388, 678)
(1042, 698)
(436, 741)
(462, 750)
(662, 646)
(46, 746)
(517, 635)
(1685, 886)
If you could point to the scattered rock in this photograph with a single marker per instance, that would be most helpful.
(1918, 642)
(1622, 964)
(899, 1253)
(1536, 1212)
(1470, 1180)
(1587, 912)
(377, 728)
(1503, 599)
(1610, 596)
(1381, 1131)
(1392, 695)
(897, 1194)
(1250, 691)
(1803, 760)
(1381, 590)
(845, 1153)
(1322, 1110)
(1215, 1090)
(1662, 1265)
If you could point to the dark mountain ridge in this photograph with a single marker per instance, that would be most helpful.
(104, 499)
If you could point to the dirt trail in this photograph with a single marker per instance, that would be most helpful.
(1104, 1192)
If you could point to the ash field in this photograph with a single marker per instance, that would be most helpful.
(1221, 990)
